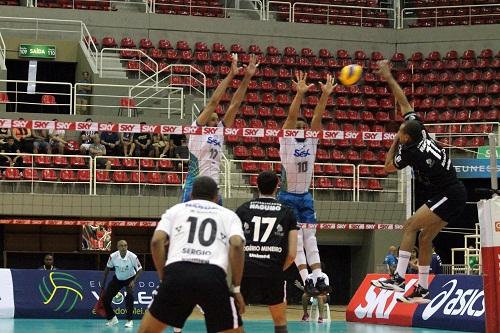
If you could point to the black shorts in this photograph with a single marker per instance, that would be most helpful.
(449, 204)
(187, 284)
(262, 290)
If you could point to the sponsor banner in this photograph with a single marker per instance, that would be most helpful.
(112, 223)
(474, 168)
(457, 304)
(6, 294)
(72, 294)
(193, 130)
(152, 224)
(378, 306)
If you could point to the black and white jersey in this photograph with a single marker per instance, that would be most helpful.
(430, 163)
(266, 224)
(199, 232)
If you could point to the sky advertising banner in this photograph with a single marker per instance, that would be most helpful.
(457, 304)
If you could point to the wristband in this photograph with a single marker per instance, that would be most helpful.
(236, 289)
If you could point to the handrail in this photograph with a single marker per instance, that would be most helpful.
(223, 9)
(328, 15)
(138, 51)
(16, 92)
(33, 167)
(284, 3)
(115, 98)
(436, 9)
(90, 45)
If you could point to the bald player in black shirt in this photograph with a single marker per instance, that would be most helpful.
(446, 195)
(270, 230)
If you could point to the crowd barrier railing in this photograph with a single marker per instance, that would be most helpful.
(39, 93)
(45, 168)
(443, 15)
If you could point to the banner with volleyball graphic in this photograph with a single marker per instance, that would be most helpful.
(71, 294)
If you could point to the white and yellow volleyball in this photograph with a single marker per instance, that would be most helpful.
(350, 75)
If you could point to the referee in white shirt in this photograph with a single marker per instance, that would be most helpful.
(191, 247)
(127, 271)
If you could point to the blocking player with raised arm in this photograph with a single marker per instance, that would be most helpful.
(297, 158)
(446, 195)
(191, 248)
(205, 150)
(271, 245)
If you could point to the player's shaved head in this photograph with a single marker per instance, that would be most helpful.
(413, 129)
(205, 188)
(267, 182)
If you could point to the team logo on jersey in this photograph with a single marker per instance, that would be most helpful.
(279, 231)
(301, 152)
(246, 226)
(429, 162)
(214, 141)
(223, 237)
(178, 228)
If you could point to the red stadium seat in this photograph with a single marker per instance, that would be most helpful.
(323, 182)
(172, 178)
(48, 99)
(12, 174)
(49, 175)
(29, 174)
(102, 176)
(241, 152)
(83, 176)
(129, 163)
(68, 176)
(153, 178)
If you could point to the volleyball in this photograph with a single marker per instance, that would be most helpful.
(350, 75)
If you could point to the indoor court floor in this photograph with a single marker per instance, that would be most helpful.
(256, 320)
(195, 326)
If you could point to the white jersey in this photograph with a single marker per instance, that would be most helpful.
(297, 159)
(199, 231)
(125, 267)
(204, 155)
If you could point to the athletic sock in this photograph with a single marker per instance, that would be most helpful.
(280, 329)
(423, 276)
(316, 274)
(403, 260)
(303, 275)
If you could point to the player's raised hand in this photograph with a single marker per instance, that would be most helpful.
(251, 68)
(330, 84)
(301, 85)
(234, 64)
(384, 69)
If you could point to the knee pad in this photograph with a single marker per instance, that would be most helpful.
(311, 246)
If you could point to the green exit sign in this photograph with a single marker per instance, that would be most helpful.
(485, 152)
(37, 51)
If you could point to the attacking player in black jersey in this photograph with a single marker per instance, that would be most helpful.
(270, 230)
(446, 195)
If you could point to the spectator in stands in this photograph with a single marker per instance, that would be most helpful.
(82, 94)
(41, 142)
(111, 140)
(4, 134)
(436, 263)
(413, 263)
(48, 263)
(128, 145)
(86, 138)
(11, 147)
(473, 260)
(98, 149)
(182, 152)
(391, 260)
(159, 145)
(23, 138)
(57, 139)
(142, 144)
